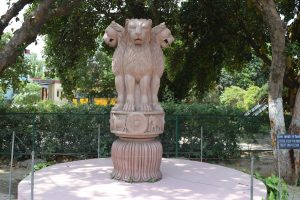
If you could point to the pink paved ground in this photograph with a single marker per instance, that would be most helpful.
(182, 179)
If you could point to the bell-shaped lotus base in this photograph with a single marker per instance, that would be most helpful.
(136, 160)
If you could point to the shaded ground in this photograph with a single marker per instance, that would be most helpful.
(264, 164)
(17, 176)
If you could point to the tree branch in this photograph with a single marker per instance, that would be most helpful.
(30, 29)
(25, 35)
(64, 9)
(12, 12)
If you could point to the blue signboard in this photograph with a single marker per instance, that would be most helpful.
(288, 141)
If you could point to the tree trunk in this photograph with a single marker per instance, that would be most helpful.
(277, 32)
(25, 35)
(294, 128)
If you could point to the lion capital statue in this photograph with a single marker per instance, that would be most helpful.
(138, 62)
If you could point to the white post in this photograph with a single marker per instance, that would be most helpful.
(99, 140)
(251, 183)
(201, 144)
(32, 175)
(278, 165)
(11, 164)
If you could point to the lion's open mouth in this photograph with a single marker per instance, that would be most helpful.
(138, 40)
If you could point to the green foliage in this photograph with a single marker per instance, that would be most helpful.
(97, 78)
(42, 165)
(233, 96)
(28, 95)
(243, 99)
(273, 188)
(73, 129)
(14, 76)
(35, 65)
(1, 95)
(206, 40)
(255, 73)
(250, 98)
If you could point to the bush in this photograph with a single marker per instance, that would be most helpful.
(272, 184)
(52, 129)
(239, 98)
(28, 95)
(233, 96)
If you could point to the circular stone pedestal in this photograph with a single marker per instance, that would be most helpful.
(136, 160)
(182, 179)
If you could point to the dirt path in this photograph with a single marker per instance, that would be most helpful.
(17, 176)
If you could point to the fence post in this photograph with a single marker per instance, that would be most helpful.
(33, 133)
(278, 165)
(251, 182)
(201, 144)
(32, 175)
(11, 163)
(99, 126)
(177, 136)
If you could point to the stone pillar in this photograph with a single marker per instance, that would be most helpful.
(136, 155)
(137, 118)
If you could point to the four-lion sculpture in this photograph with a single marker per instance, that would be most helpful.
(138, 62)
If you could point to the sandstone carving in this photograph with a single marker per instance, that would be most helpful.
(137, 118)
(114, 37)
(161, 37)
(156, 123)
(136, 123)
(118, 123)
(138, 62)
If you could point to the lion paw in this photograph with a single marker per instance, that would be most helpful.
(128, 107)
(157, 107)
(146, 108)
(117, 107)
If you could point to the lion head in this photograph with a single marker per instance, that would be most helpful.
(162, 35)
(112, 34)
(138, 30)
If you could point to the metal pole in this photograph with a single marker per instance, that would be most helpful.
(201, 144)
(251, 184)
(33, 133)
(11, 164)
(279, 175)
(99, 126)
(177, 137)
(32, 175)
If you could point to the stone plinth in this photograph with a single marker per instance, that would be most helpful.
(136, 155)
(182, 179)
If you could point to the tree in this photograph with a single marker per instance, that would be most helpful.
(14, 76)
(71, 40)
(277, 30)
(35, 65)
(210, 35)
(96, 77)
(30, 28)
(28, 95)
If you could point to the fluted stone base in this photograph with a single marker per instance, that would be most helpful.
(136, 160)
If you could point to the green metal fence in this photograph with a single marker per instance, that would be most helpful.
(86, 135)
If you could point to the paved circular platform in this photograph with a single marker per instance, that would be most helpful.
(182, 179)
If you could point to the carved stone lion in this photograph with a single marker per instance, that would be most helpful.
(161, 38)
(138, 62)
(114, 37)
